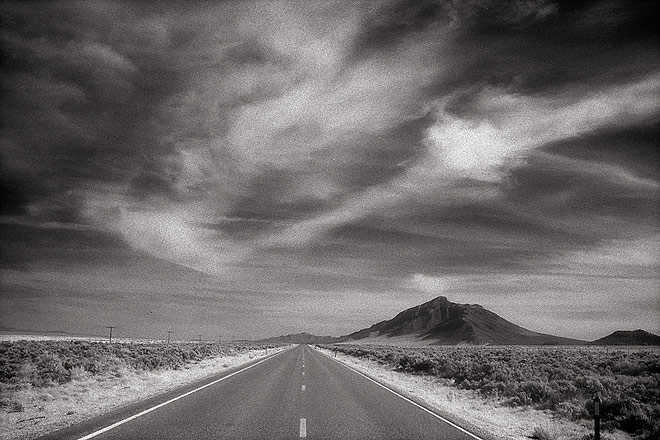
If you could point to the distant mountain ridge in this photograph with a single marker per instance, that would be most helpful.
(442, 322)
(301, 338)
(634, 337)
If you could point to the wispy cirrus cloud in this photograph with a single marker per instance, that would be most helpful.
(497, 131)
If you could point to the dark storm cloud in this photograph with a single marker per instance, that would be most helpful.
(338, 146)
(633, 148)
(563, 50)
(77, 93)
(562, 186)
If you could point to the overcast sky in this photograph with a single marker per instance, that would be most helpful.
(247, 169)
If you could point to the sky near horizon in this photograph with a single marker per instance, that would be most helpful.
(246, 169)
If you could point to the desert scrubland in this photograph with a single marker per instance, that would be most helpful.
(510, 392)
(48, 384)
(517, 392)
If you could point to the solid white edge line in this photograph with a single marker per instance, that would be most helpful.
(405, 398)
(153, 408)
(303, 428)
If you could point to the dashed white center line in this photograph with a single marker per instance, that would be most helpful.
(303, 428)
(303, 422)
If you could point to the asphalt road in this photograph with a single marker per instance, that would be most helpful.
(299, 393)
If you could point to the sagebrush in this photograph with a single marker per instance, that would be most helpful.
(563, 380)
(39, 364)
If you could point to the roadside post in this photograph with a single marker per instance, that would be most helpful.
(596, 417)
(111, 327)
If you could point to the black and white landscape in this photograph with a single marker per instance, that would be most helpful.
(240, 170)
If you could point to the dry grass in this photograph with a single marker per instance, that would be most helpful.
(544, 433)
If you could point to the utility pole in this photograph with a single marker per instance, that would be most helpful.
(111, 327)
(169, 333)
(200, 338)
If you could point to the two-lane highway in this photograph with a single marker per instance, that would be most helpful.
(299, 393)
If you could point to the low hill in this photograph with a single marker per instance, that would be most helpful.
(635, 337)
(301, 338)
(441, 322)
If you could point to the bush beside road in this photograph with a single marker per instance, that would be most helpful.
(49, 384)
(559, 381)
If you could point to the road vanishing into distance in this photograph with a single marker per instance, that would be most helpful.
(297, 393)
